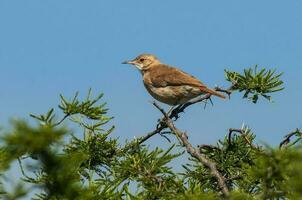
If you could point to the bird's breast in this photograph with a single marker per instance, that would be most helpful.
(172, 95)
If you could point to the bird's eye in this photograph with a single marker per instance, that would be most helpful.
(142, 59)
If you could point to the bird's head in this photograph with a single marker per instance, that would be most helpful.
(143, 61)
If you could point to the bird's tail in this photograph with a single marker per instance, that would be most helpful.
(213, 92)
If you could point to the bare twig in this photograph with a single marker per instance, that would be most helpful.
(195, 153)
(242, 133)
(227, 91)
(160, 126)
(181, 108)
(287, 138)
(22, 169)
(59, 122)
(176, 111)
(164, 136)
(207, 146)
(158, 129)
(161, 110)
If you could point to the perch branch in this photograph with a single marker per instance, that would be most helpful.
(194, 152)
(166, 122)
(179, 109)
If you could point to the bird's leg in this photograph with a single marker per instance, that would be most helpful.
(170, 110)
(175, 111)
(206, 102)
(211, 101)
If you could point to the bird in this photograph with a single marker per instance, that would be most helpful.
(168, 84)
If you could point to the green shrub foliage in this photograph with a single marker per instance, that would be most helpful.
(76, 157)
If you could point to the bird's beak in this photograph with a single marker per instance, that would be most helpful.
(129, 62)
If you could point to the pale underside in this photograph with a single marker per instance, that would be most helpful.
(174, 95)
(170, 85)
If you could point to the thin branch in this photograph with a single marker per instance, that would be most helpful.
(160, 109)
(287, 138)
(207, 146)
(158, 129)
(176, 111)
(164, 136)
(144, 138)
(227, 91)
(195, 153)
(59, 122)
(181, 108)
(242, 133)
(22, 169)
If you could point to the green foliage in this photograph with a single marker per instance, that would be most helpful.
(231, 157)
(87, 162)
(279, 174)
(20, 140)
(17, 192)
(85, 107)
(150, 171)
(255, 83)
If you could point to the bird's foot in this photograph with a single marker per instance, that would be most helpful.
(175, 112)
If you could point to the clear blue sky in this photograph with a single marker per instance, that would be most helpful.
(52, 46)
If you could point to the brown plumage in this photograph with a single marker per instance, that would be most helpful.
(169, 84)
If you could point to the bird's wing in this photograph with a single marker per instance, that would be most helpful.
(164, 75)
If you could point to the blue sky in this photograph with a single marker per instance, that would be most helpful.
(53, 46)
